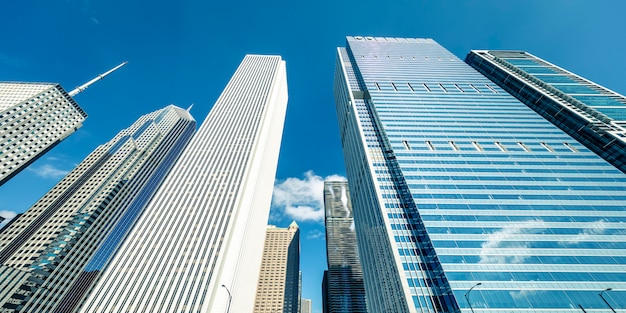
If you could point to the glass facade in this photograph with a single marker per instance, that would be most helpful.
(590, 113)
(343, 288)
(464, 197)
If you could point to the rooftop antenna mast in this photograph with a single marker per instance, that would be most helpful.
(81, 88)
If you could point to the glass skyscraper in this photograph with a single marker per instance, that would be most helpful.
(590, 113)
(44, 252)
(199, 244)
(342, 286)
(464, 198)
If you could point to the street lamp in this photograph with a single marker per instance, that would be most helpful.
(467, 296)
(230, 298)
(607, 303)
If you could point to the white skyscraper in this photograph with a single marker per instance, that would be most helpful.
(35, 117)
(198, 246)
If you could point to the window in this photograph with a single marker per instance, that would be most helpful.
(500, 146)
(477, 146)
(491, 88)
(570, 147)
(453, 145)
(523, 146)
(406, 145)
(430, 145)
(546, 146)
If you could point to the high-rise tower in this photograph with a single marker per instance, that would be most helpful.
(306, 306)
(279, 278)
(464, 198)
(199, 244)
(342, 286)
(590, 113)
(46, 250)
(35, 117)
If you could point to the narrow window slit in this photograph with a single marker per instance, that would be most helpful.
(453, 145)
(394, 86)
(410, 87)
(430, 145)
(545, 145)
(426, 87)
(500, 146)
(475, 89)
(570, 147)
(406, 145)
(477, 146)
(523, 146)
(459, 88)
(377, 86)
(443, 88)
(491, 88)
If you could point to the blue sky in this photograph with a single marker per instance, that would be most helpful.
(184, 52)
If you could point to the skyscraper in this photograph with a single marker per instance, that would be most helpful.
(343, 289)
(306, 306)
(35, 117)
(279, 278)
(44, 252)
(199, 244)
(464, 198)
(590, 113)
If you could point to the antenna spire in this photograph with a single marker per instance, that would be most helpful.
(81, 88)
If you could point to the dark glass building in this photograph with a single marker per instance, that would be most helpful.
(342, 286)
(590, 113)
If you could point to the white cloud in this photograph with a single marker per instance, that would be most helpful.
(48, 171)
(595, 228)
(302, 199)
(314, 234)
(524, 293)
(8, 215)
(491, 248)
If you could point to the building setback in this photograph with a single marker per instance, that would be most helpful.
(466, 200)
(198, 246)
(342, 286)
(590, 113)
(279, 278)
(35, 117)
(44, 251)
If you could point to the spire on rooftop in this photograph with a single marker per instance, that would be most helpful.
(81, 88)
